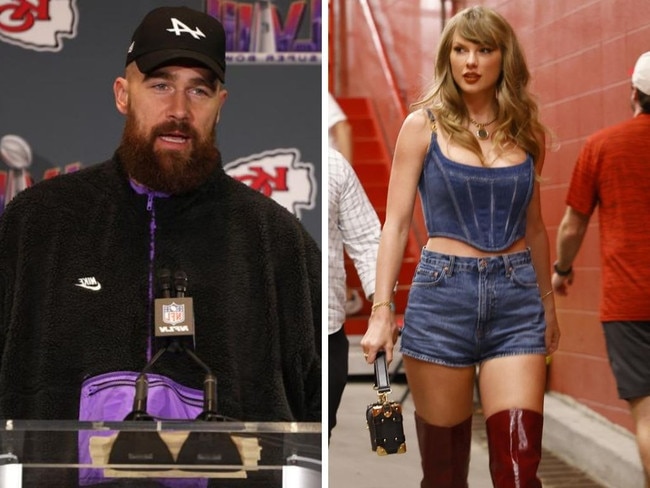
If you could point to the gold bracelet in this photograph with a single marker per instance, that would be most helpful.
(388, 304)
(547, 294)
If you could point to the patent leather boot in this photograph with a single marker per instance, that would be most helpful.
(444, 452)
(515, 448)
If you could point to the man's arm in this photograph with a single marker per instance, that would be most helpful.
(360, 229)
(342, 135)
(570, 235)
(340, 130)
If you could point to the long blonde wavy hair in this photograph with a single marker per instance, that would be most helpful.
(517, 112)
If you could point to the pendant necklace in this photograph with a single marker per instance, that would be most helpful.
(481, 131)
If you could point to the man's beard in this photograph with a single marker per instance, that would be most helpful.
(167, 171)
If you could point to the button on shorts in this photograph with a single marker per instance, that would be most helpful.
(462, 311)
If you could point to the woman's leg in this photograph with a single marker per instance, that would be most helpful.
(443, 399)
(512, 396)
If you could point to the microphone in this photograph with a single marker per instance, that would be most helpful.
(141, 447)
(174, 323)
(174, 316)
(209, 397)
(139, 411)
(211, 449)
(165, 282)
(180, 283)
(209, 390)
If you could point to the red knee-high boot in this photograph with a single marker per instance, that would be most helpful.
(445, 453)
(515, 447)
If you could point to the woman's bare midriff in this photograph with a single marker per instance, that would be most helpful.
(453, 247)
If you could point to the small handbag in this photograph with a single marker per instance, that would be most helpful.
(384, 418)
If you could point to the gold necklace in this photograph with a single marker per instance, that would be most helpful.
(481, 131)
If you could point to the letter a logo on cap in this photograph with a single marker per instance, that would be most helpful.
(179, 28)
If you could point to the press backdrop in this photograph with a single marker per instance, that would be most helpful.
(59, 58)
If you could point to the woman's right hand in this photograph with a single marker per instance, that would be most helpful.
(381, 335)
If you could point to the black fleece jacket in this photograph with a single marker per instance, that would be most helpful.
(254, 274)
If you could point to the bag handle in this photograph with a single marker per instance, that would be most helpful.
(382, 382)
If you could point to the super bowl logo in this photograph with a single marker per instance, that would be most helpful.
(40, 25)
(256, 33)
(280, 175)
(16, 154)
(173, 313)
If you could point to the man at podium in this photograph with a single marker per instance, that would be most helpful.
(87, 258)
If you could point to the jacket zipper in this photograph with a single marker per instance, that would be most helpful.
(188, 400)
(152, 254)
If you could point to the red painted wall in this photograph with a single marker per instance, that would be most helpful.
(580, 53)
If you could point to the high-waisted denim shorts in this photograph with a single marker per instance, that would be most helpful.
(462, 311)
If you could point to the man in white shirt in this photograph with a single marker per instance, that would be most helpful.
(353, 226)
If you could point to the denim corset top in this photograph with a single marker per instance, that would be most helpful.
(484, 207)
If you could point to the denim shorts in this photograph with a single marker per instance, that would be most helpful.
(462, 311)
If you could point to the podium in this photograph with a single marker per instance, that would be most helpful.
(167, 454)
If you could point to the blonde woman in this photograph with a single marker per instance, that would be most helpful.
(481, 295)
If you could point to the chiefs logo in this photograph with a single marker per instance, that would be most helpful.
(280, 175)
(40, 25)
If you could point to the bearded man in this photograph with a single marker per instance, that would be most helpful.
(81, 255)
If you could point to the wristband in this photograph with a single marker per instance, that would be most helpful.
(562, 272)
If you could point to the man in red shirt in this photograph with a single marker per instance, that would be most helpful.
(612, 172)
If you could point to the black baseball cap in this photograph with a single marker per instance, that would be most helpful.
(170, 33)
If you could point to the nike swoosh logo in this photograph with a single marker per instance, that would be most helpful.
(95, 287)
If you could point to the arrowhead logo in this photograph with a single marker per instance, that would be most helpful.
(279, 174)
(40, 25)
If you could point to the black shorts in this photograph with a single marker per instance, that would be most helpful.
(628, 347)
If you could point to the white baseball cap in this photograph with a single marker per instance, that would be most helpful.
(641, 73)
